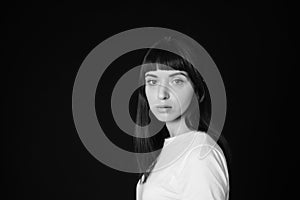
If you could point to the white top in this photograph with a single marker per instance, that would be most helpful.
(191, 166)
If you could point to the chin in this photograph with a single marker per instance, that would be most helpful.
(165, 117)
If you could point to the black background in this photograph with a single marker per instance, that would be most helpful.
(44, 46)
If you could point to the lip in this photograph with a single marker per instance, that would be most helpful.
(163, 106)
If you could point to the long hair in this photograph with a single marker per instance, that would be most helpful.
(157, 58)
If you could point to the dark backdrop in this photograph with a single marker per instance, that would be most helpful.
(44, 46)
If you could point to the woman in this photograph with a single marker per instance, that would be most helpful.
(190, 165)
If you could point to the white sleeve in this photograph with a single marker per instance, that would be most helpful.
(204, 178)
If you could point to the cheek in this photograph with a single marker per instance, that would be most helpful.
(185, 98)
(149, 96)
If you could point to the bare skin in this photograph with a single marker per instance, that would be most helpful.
(169, 93)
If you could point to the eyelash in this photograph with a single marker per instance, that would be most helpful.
(181, 81)
(149, 81)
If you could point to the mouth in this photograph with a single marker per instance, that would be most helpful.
(163, 108)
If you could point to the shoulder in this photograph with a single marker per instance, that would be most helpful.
(205, 162)
(204, 146)
(204, 173)
(205, 153)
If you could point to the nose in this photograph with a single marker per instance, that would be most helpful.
(163, 92)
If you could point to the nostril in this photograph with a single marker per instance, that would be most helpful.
(163, 95)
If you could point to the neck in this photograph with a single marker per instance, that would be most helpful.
(177, 127)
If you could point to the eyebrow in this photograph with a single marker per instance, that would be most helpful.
(171, 75)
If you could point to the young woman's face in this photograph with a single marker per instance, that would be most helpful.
(169, 93)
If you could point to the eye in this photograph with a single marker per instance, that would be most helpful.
(178, 81)
(151, 82)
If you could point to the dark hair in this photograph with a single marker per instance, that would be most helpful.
(157, 58)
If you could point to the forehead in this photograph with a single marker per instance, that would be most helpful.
(159, 72)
